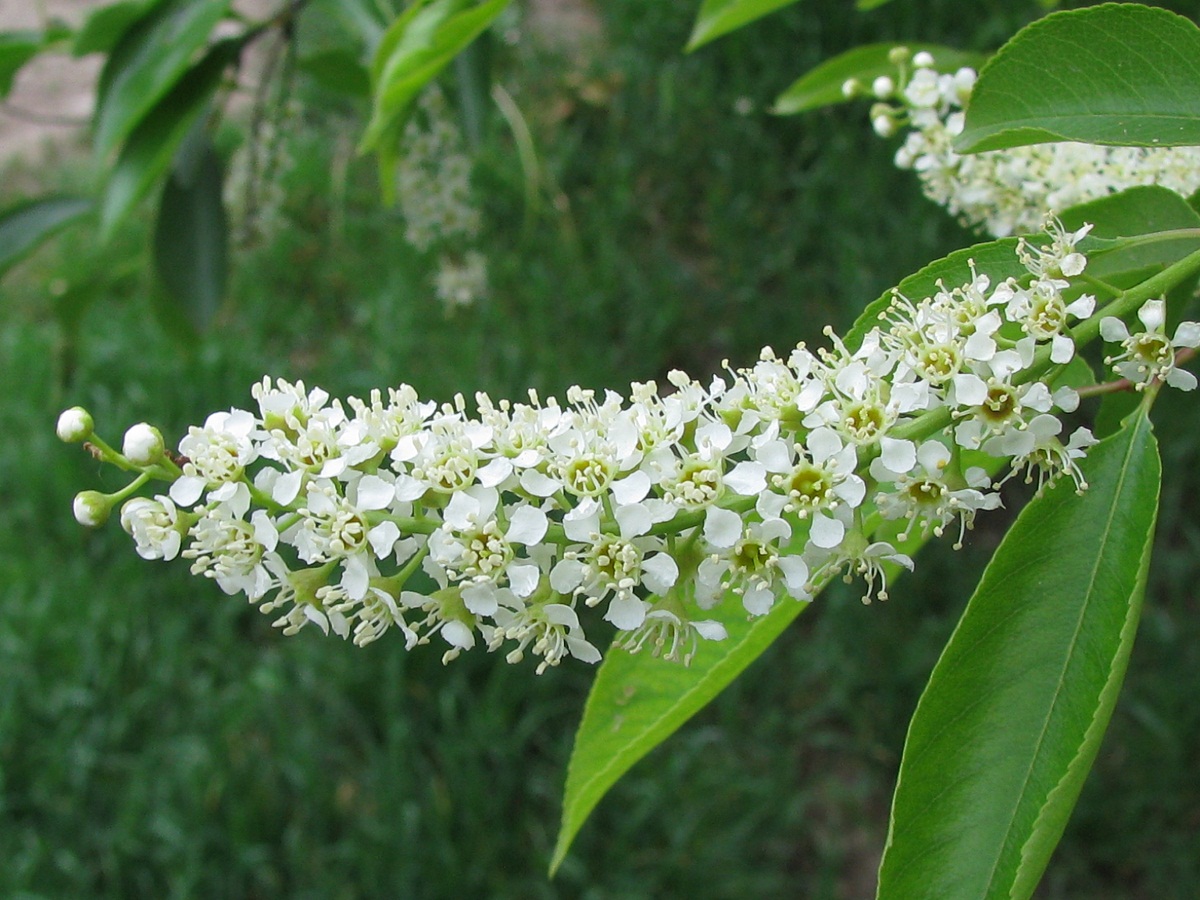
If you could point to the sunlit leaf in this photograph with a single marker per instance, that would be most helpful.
(1110, 74)
(413, 51)
(1015, 709)
(637, 701)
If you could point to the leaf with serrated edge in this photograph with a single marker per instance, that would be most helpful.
(1121, 74)
(1013, 714)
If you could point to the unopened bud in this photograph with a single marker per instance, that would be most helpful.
(923, 60)
(91, 508)
(883, 87)
(143, 445)
(75, 425)
(898, 55)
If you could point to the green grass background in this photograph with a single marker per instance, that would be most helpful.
(158, 739)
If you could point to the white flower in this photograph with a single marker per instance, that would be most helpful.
(929, 498)
(670, 635)
(811, 481)
(1148, 356)
(752, 565)
(154, 525)
(857, 556)
(1009, 191)
(551, 630)
(74, 425)
(216, 454)
(91, 508)
(143, 445)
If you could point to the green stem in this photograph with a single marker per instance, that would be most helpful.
(129, 489)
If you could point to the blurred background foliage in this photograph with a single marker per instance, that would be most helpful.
(158, 739)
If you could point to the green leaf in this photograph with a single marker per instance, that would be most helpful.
(996, 259)
(339, 70)
(102, 29)
(1015, 709)
(719, 17)
(16, 49)
(416, 47)
(1113, 74)
(191, 235)
(26, 225)
(823, 85)
(1125, 226)
(147, 62)
(149, 151)
(865, 5)
(638, 700)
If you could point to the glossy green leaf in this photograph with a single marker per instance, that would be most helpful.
(719, 17)
(823, 85)
(103, 28)
(1015, 709)
(414, 50)
(16, 49)
(191, 236)
(148, 61)
(637, 701)
(147, 154)
(1120, 240)
(25, 226)
(865, 5)
(996, 259)
(1112, 74)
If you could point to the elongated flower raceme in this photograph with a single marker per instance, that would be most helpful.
(507, 527)
(1009, 191)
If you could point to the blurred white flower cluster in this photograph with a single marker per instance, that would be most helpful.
(1009, 191)
(433, 187)
(502, 526)
(254, 190)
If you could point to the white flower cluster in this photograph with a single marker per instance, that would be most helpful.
(254, 189)
(433, 186)
(500, 527)
(1009, 191)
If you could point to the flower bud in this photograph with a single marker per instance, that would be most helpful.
(897, 56)
(75, 425)
(143, 445)
(923, 60)
(91, 508)
(883, 87)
